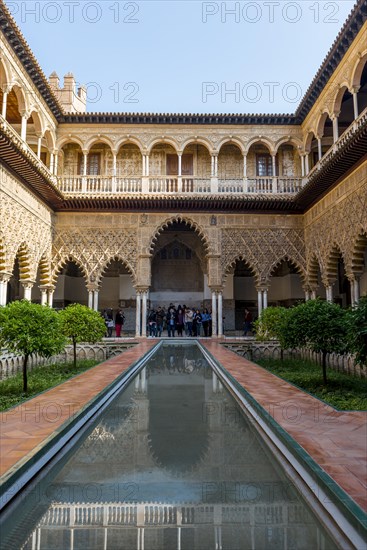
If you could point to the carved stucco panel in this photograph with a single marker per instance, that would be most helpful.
(20, 227)
(339, 227)
(93, 248)
(263, 249)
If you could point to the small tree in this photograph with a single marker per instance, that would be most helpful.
(319, 326)
(270, 325)
(357, 331)
(27, 328)
(81, 324)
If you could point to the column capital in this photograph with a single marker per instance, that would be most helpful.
(141, 289)
(27, 283)
(5, 276)
(6, 88)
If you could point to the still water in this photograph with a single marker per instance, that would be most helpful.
(171, 464)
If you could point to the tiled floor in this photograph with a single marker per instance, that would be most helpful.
(336, 440)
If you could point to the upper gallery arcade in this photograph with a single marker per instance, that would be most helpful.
(201, 186)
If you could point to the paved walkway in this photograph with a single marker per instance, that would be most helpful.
(337, 441)
(26, 427)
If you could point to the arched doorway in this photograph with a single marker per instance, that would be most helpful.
(244, 294)
(285, 285)
(117, 292)
(179, 268)
(70, 286)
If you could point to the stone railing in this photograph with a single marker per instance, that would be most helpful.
(254, 350)
(349, 132)
(11, 364)
(101, 185)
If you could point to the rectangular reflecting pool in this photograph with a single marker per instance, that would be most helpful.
(172, 463)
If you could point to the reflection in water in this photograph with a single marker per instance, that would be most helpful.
(171, 464)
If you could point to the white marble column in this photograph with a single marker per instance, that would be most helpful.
(85, 162)
(329, 293)
(147, 167)
(4, 279)
(335, 129)
(355, 103)
(43, 296)
(114, 172)
(50, 296)
(265, 299)
(28, 290)
(245, 166)
(39, 145)
(95, 299)
(90, 299)
(51, 168)
(303, 165)
(4, 105)
(216, 166)
(355, 292)
(220, 313)
(179, 176)
(307, 161)
(319, 148)
(313, 295)
(259, 302)
(307, 295)
(144, 314)
(23, 128)
(214, 314)
(274, 168)
(138, 314)
(179, 165)
(56, 161)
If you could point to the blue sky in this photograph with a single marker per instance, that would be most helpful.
(184, 56)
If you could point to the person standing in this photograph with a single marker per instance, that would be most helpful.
(119, 322)
(160, 319)
(247, 325)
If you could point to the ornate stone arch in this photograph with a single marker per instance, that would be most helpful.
(233, 140)
(313, 267)
(2, 253)
(94, 140)
(296, 142)
(44, 268)
(62, 262)
(262, 140)
(21, 97)
(117, 257)
(69, 139)
(131, 140)
(50, 139)
(358, 70)
(287, 258)
(357, 253)
(164, 140)
(185, 219)
(311, 135)
(331, 269)
(25, 262)
(197, 140)
(5, 72)
(320, 126)
(38, 121)
(249, 263)
(339, 98)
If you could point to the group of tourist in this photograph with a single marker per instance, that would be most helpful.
(179, 320)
